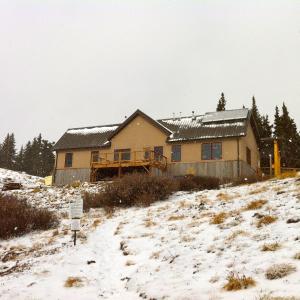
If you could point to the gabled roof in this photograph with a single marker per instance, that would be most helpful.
(143, 115)
(224, 124)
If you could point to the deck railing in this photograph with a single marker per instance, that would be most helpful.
(130, 158)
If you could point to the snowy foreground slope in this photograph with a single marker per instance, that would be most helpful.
(170, 250)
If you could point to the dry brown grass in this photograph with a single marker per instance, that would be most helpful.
(130, 263)
(266, 220)
(155, 255)
(187, 239)
(149, 223)
(270, 297)
(55, 232)
(258, 190)
(219, 218)
(297, 255)
(256, 204)
(271, 247)
(74, 282)
(176, 218)
(236, 282)
(96, 223)
(235, 234)
(279, 270)
(225, 197)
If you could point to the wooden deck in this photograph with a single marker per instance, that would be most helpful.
(125, 159)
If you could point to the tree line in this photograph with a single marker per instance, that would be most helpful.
(283, 128)
(36, 158)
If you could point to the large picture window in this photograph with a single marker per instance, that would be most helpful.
(176, 153)
(122, 154)
(95, 156)
(68, 160)
(211, 151)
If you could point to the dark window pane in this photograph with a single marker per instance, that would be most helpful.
(158, 152)
(248, 156)
(122, 154)
(68, 160)
(206, 151)
(216, 151)
(176, 153)
(147, 153)
(95, 156)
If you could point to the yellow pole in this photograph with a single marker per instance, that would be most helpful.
(277, 168)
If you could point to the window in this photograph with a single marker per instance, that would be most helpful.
(158, 152)
(176, 153)
(248, 156)
(95, 156)
(68, 160)
(122, 154)
(147, 153)
(211, 151)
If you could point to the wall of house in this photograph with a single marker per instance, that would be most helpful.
(250, 142)
(140, 134)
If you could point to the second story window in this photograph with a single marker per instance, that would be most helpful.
(95, 156)
(68, 160)
(176, 153)
(211, 151)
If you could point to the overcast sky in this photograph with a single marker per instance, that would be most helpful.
(77, 63)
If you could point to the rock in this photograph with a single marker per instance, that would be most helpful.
(293, 220)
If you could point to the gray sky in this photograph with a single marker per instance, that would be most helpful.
(76, 63)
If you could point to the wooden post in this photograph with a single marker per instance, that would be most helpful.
(271, 163)
(277, 167)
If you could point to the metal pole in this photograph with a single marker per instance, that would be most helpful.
(75, 237)
(271, 162)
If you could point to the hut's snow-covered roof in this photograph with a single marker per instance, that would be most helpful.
(224, 124)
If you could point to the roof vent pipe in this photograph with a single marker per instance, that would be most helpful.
(193, 115)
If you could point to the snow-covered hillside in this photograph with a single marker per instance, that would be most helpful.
(26, 180)
(170, 250)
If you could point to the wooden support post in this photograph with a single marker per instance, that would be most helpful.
(277, 167)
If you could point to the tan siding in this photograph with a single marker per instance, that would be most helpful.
(140, 134)
(250, 142)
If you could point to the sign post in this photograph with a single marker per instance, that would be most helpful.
(76, 212)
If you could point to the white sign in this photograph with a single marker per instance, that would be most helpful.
(76, 208)
(75, 224)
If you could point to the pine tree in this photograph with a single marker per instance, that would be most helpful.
(277, 123)
(8, 152)
(20, 160)
(222, 103)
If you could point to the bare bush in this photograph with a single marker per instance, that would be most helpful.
(279, 270)
(256, 204)
(236, 282)
(17, 217)
(266, 220)
(193, 183)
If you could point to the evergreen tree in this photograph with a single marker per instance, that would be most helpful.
(287, 130)
(277, 123)
(8, 152)
(20, 160)
(222, 103)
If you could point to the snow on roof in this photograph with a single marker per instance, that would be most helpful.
(191, 121)
(92, 130)
(226, 115)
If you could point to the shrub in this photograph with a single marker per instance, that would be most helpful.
(256, 204)
(236, 282)
(17, 217)
(270, 247)
(192, 183)
(279, 270)
(74, 282)
(132, 190)
(218, 218)
(266, 220)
